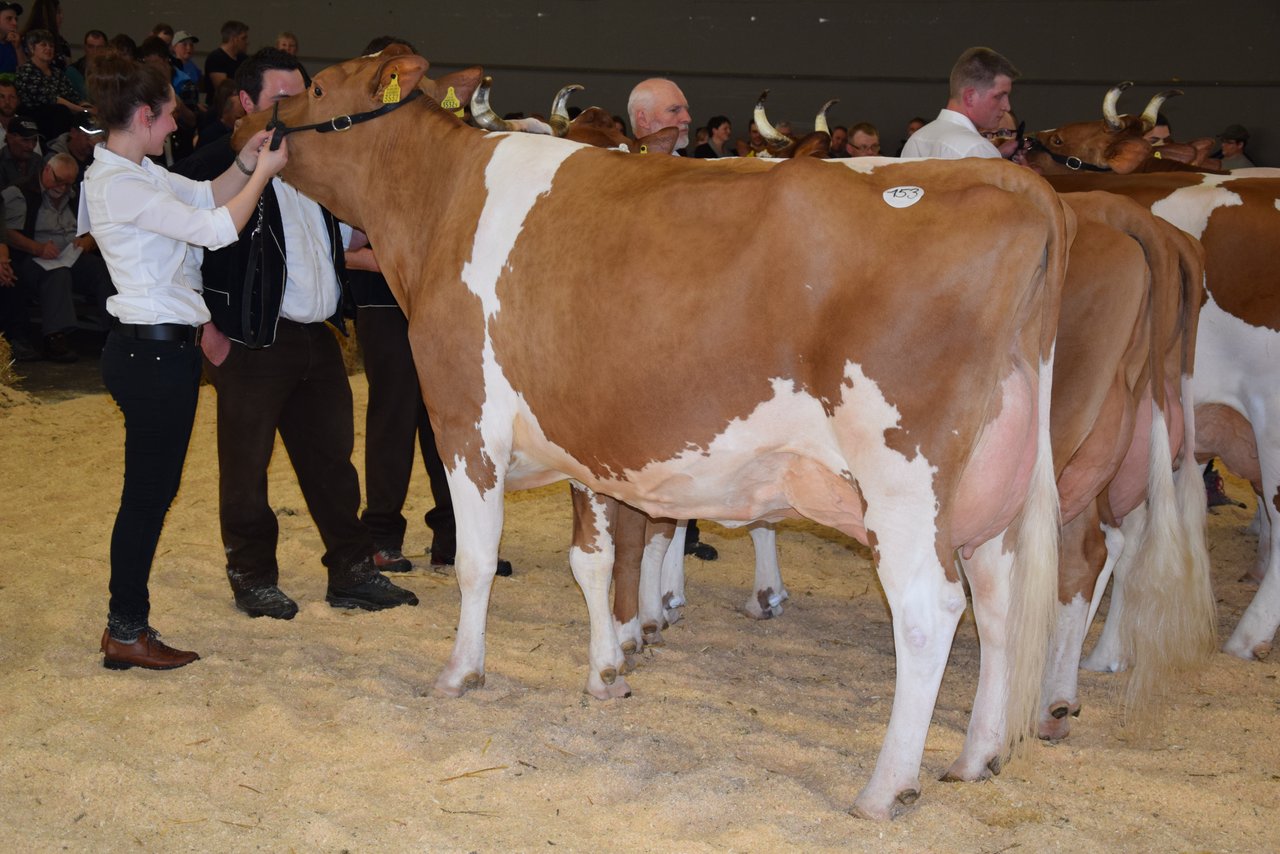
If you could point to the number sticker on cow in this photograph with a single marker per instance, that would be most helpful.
(903, 197)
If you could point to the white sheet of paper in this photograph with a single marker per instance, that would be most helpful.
(70, 253)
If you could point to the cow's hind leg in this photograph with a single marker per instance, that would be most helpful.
(671, 586)
(769, 594)
(926, 608)
(591, 558)
(659, 542)
(1255, 633)
(1122, 547)
(479, 517)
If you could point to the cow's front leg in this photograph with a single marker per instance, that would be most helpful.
(479, 519)
(591, 558)
(766, 599)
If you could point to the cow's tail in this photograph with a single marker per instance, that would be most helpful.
(1035, 582)
(1169, 617)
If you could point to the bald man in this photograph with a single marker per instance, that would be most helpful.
(658, 103)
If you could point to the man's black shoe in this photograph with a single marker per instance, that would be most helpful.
(702, 551)
(268, 601)
(374, 593)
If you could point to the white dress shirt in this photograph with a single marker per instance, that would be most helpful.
(950, 136)
(311, 289)
(149, 225)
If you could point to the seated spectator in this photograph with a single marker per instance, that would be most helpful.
(620, 125)
(46, 15)
(1233, 140)
(19, 164)
(13, 308)
(183, 48)
(839, 141)
(1160, 134)
(77, 142)
(864, 140)
(717, 145)
(912, 126)
(164, 32)
(287, 42)
(784, 127)
(41, 223)
(223, 113)
(1007, 137)
(8, 105)
(223, 60)
(754, 145)
(95, 42)
(12, 53)
(153, 51)
(44, 90)
(123, 44)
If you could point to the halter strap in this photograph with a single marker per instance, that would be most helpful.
(336, 124)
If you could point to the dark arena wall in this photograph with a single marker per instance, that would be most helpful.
(885, 61)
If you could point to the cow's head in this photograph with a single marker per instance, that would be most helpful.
(360, 87)
(782, 147)
(1115, 144)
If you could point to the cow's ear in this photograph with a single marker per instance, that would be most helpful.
(464, 84)
(1126, 155)
(1203, 146)
(660, 142)
(401, 74)
(816, 144)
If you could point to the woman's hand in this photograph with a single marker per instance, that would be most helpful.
(271, 162)
(249, 153)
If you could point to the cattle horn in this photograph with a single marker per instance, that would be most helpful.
(559, 112)
(768, 131)
(483, 114)
(820, 123)
(1109, 106)
(1152, 112)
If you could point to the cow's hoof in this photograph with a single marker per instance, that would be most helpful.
(652, 636)
(755, 611)
(449, 688)
(1261, 651)
(865, 807)
(629, 648)
(966, 771)
(615, 688)
(1249, 652)
(1053, 729)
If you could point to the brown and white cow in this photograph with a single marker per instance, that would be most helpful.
(894, 387)
(1236, 387)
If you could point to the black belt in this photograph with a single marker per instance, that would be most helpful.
(161, 332)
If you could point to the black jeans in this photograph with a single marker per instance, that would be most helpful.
(156, 385)
(298, 386)
(394, 416)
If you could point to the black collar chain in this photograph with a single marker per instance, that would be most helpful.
(336, 124)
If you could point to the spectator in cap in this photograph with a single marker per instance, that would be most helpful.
(19, 164)
(11, 53)
(95, 43)
(183, 48)
(1233, 141)
(78, 142)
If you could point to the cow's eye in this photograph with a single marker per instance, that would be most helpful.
(1057, 140)
(317, 91)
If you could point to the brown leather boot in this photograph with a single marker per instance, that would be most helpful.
(147, 651)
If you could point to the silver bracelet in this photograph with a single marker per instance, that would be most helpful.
(245, 169)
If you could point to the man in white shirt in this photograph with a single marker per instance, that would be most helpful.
(981, 81)
(273, 358)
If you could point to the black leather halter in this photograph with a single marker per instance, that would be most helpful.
(336, 124)
(1075, 164)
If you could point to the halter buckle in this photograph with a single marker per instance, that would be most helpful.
(346, 123)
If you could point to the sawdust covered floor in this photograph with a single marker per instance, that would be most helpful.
(322, 734)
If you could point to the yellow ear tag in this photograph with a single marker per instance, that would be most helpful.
(1156, 155)
(644, 149)
(391, 94)
(451, 102)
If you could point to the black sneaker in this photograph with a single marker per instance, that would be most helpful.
(702, 551)
(58, 349)
(374, 593)
(391, 560)
(269, 601)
